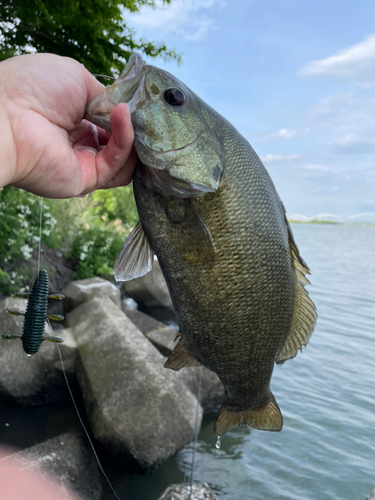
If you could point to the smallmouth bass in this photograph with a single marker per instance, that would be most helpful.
(210, 212)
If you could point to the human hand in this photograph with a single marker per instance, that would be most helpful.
(18, 483)
(46, 147)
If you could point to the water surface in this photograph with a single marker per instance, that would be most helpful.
(326, 449)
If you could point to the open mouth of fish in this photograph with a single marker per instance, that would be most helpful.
(129, 88)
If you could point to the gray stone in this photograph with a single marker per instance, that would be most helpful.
(142, 321)
(37, 379)
(78, 292)
(163, 339)
(137, 408)
(128, 304)
(212, 390)
(68, 459)
(151, 293)
(160, 335)
(201, 491)
(371, 495)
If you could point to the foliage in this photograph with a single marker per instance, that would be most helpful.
(92, 230)
(19, 236)
(113, 204)
(93, 32)
(96, 250)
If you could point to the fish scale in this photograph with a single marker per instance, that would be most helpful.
(209, 211)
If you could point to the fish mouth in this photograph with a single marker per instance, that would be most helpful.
(160, 153)
(129, 88)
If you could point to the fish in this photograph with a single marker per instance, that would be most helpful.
(210, 212)
(35, 315)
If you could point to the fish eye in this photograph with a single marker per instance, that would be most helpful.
(174, 97)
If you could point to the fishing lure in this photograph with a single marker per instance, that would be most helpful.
(35, 315)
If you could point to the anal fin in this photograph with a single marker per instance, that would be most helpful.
(180, 358)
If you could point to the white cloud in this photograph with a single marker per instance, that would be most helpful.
(355, 63)
(344, 113)
(191, 19)
(346, 140)
(284, 133)
(353, 144)
(270, 158)
(322, 168)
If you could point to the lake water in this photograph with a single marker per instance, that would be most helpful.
(326, 449)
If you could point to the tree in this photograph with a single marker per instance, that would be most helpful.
(93, 32)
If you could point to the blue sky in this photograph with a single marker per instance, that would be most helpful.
(296, 78)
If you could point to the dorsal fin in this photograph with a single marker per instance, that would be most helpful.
(305, 315)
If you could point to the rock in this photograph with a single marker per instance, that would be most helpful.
(371, 495)
(128, 304)
(81, 291)
(68, 459)
(37, 379)
(138, 409)
(201, 491)
(142, 321)
(160, 335)
(163, 338)
(152, 294)
(212, 390)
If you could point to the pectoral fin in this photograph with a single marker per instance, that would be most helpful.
(267, 418)
(136, 256)
(189, 235)
(180, 358)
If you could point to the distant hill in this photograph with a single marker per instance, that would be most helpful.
(362, 218)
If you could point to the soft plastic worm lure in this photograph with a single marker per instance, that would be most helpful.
(35, 315)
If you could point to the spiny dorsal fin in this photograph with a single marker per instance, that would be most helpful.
(180, 358)
(136, 256)
(267, 418)
(305, 315)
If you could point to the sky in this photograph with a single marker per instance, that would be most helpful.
(296, 78)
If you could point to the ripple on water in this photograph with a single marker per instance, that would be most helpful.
(326, 450)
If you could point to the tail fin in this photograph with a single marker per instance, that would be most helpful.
(267, 418)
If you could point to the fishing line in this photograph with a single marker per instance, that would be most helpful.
(40, 232)
(63, 367)
(195, 431)
(83, 425)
